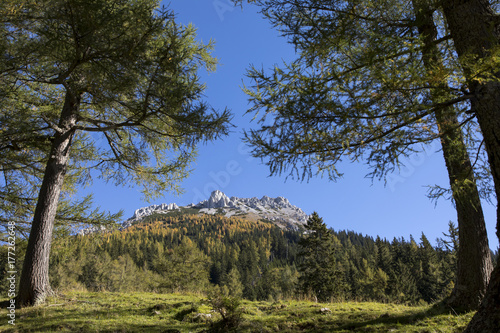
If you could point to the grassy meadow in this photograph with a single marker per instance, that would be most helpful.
(149, 312)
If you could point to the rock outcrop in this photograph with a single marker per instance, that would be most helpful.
(278, 210)
(146, 211)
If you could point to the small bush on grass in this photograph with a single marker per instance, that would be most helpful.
(229, 308)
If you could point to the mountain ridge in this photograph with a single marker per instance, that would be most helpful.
(276, 210)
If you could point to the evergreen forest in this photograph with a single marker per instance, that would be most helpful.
(114, 91)
(252, 260)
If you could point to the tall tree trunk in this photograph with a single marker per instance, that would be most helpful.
(475, 33)
(34, 284)
(474, 264)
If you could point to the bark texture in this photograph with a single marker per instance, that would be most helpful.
(474, 257)
(474, 29)
(474, 265)
(34, 285)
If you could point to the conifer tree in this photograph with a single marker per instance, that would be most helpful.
(384, 258)
(106, 86)
(183, 268)
(451, 242)
(376, 81)
(373, 281)
(474, 259)
(317, 264)
(430, 274)
(232, 281)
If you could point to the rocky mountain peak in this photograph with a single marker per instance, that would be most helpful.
(217, 200)
(278, 210)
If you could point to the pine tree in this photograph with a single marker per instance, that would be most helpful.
(317, 264)
(373, 281)
(448, 248)
(110, 86)
(373, 81)
(183, 268)
(232, 281)
(384, 258)
(428, 285)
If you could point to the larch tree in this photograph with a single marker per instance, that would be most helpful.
(24, 147)
(475, 29)
(374, 81)
(105, 87)
(472, 280)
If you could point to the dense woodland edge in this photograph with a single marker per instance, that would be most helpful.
(253, 260)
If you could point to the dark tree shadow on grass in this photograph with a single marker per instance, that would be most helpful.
(387, 320)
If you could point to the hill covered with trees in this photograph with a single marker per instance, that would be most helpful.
(253, 260)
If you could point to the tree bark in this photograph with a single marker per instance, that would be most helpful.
(474, 264)
(475, 33)
(34, 284)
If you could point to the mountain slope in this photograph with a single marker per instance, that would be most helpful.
(277, 210)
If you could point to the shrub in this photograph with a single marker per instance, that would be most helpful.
(229, 308)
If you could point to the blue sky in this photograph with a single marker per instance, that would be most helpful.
(243, 37)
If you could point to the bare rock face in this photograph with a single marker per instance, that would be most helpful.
(277, 210)
(217, 200)
(91, 230)
(146, 211)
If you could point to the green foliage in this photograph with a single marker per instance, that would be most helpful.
(182, 253)
(232, 281)
(184, 268)
(140, 115)
(155, 313)
(361, 88)
(252, 260)
(451, 242)
(229, 308)
(319, 272)
(373, 282)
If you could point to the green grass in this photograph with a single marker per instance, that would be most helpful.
(147, 312)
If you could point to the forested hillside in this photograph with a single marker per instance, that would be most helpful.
(254, 260)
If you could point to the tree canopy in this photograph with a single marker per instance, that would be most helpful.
(136, 72)
(374, 81)
(97, 88)
(320, 274)
(358, 89)
(148, 256)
